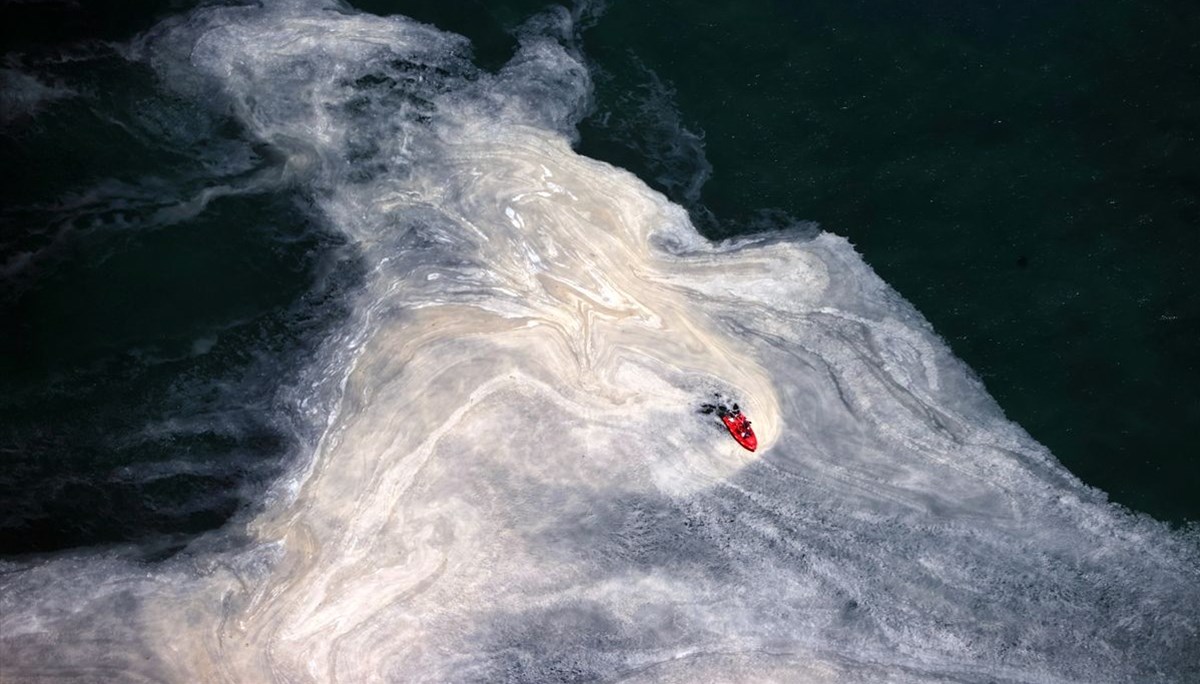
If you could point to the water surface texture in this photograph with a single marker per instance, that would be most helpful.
(438, 374)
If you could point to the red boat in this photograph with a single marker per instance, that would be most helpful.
(736, 421)
(739, 427)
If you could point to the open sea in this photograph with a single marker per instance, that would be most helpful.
(365, 341)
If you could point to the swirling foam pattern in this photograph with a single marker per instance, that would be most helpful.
(515, 484)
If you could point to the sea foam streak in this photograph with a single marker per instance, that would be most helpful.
(516, 485)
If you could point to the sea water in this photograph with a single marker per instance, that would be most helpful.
(496, 467)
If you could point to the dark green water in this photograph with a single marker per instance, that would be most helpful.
(1028, 175)
(144, 348)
